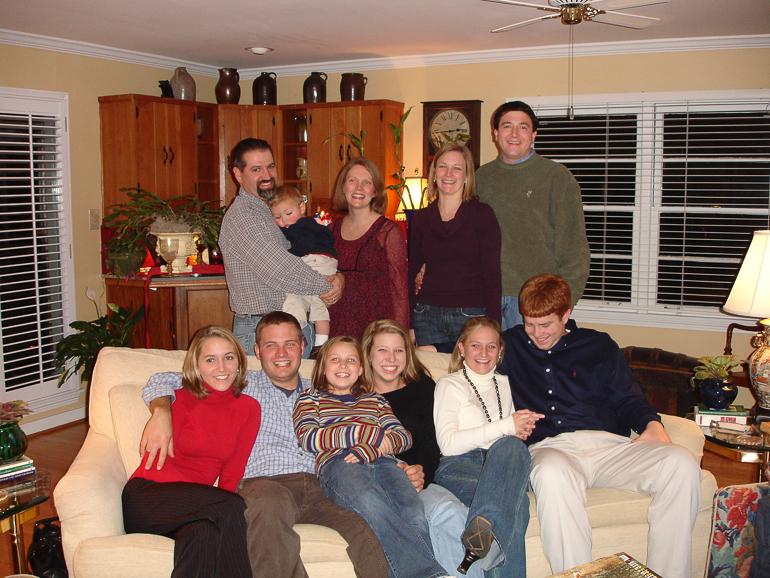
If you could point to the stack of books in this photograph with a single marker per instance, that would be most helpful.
(21, 467)
(736, 414)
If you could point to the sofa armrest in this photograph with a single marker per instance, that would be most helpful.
(686, 433)
(88, 497)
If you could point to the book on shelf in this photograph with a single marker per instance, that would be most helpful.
(616, 566)
(733, 414)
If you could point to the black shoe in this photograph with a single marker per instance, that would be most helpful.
(314, 352)
(477, 540)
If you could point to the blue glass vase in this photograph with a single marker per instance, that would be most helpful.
(13, 442)
(718, 393)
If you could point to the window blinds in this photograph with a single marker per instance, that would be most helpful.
(672, 193)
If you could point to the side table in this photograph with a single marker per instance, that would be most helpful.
(726, 445)
(16, 497)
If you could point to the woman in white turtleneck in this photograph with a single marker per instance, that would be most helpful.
(484, 463)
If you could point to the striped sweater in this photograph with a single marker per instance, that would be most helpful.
(333, 426)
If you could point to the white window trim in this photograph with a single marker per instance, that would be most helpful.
(694, 318)
(47, 396)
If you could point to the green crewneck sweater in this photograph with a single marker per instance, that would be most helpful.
(540, 211)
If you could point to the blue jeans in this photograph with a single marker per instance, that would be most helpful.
(244, 329)
(447, 517)
(382, 495)
(441, 324)
(511, 314)
(493, 484)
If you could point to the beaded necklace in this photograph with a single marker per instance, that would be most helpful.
(483, 405)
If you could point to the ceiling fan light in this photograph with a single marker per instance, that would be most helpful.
(259, 49)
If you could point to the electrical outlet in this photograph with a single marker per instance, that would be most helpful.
(93, 219)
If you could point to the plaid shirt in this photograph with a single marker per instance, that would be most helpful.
(258, 267)
(276, 450)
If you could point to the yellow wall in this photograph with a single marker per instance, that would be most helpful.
(85, 79)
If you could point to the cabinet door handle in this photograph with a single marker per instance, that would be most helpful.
(165, 155)
(171, 162)
(341, 149)
(347, 153)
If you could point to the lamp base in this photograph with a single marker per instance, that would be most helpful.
(759, 370)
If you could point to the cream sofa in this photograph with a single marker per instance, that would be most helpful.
(88, 497)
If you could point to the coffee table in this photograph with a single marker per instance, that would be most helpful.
(16, 497)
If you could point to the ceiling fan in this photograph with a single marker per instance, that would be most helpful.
(575, 11)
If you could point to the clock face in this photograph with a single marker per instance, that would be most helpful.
(449, 125)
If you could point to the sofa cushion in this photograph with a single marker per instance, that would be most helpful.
(129, 414)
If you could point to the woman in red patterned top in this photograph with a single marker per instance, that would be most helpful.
(371, 253)
(214, 428)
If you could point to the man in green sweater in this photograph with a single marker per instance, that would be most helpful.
(538, 205)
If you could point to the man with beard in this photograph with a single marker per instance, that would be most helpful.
(258, 267)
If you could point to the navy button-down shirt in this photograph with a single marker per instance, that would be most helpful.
(581, 383)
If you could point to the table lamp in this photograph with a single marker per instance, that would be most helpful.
(750, 296)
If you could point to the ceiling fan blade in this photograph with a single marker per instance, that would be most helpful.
(625, 20)
(516, 3)
(525, 23)
(625, 4)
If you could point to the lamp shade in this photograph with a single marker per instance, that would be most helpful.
(750, 295)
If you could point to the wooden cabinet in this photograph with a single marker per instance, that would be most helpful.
(177, 307)
(237, 122)
(327, 150)
(150, 143)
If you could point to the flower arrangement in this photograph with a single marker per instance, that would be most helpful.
(11, 411)
(715, 367)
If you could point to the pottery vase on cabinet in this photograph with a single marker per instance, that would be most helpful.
(227, 90)
(265, 90)
(183, 84)
(314, 88)
(352, 86)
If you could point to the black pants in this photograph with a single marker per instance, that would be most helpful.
(206, 523)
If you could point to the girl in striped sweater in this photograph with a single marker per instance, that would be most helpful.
(354, 435)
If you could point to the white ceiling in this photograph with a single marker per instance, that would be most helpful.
(214, 33)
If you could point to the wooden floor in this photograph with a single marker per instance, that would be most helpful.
(54, 451)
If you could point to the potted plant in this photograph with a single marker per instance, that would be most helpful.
(146, 214)
(13, 441)
(83, 347)
(400, 183)
(716, 385)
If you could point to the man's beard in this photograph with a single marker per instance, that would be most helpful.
(266, 194)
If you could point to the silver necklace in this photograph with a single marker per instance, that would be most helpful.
(483, 405)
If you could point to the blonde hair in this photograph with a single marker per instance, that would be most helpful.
(286, 193)
(319, 380)
(379, 201)
(469, 192)
(192, 380)
(413, 366)
(456, 361)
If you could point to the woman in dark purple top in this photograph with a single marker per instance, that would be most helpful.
(457, 238)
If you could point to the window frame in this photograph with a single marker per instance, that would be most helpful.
(643, 311)
(47, 396)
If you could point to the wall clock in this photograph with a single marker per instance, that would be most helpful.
(450, 120)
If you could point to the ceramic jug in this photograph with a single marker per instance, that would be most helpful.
(183, 84)
(352, 86)
(265, 90)
(314, 88)
(227, 90)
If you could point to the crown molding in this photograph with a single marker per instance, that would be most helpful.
(419, 61)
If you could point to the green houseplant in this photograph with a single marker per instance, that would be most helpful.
(400, 184)
(717, 388)
(146, 214)
(82, 348)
